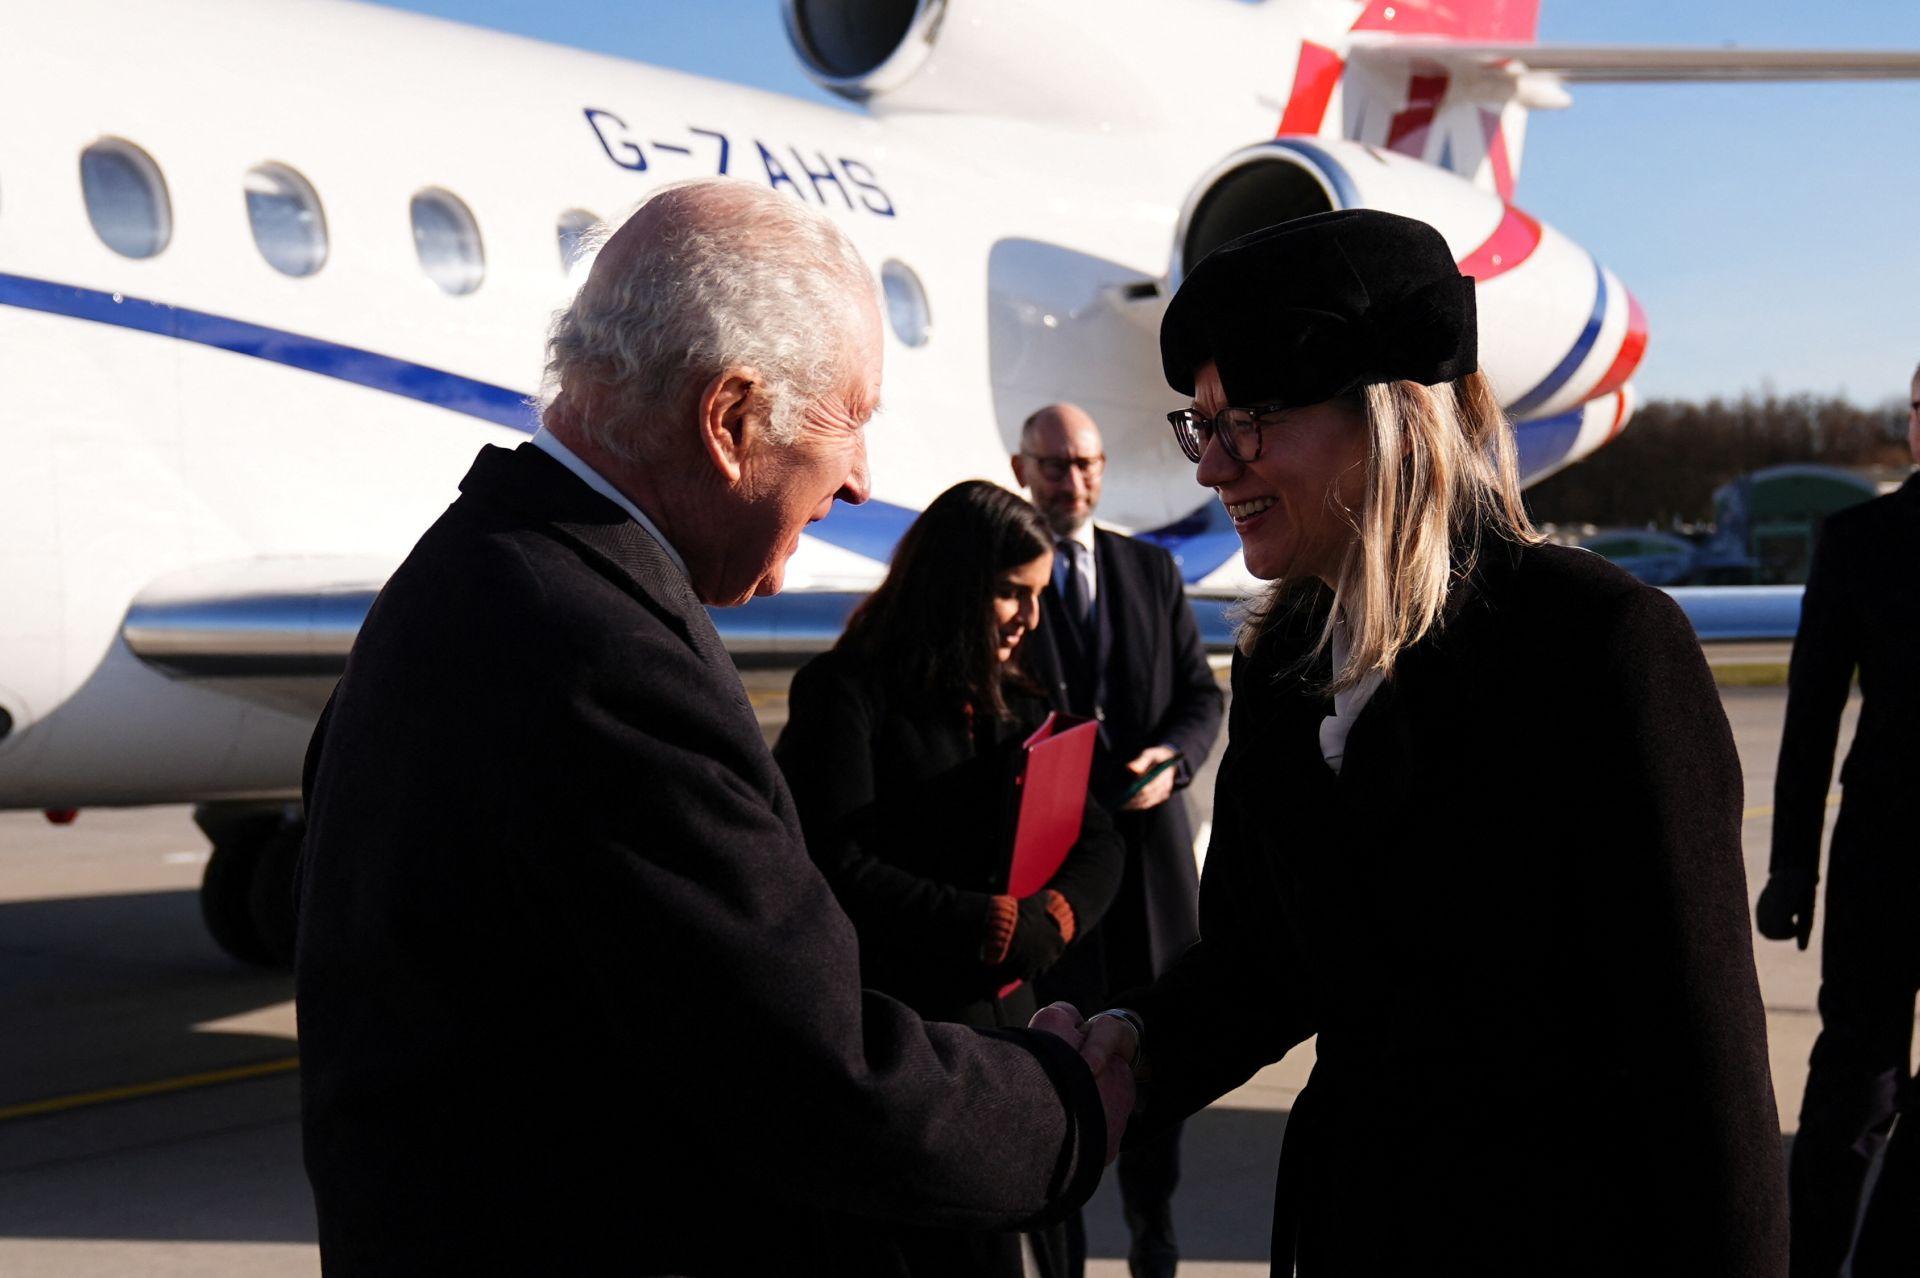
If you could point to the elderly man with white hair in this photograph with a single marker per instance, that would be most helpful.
(573, 997)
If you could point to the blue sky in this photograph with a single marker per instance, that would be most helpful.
(1772, 231)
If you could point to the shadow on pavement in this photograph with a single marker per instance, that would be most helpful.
(105, 992)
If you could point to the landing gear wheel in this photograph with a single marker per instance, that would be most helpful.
(246, 893)
(226, 903)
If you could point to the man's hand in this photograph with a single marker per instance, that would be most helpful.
(1112, 1069)
(1158, 790)
(1785, 909)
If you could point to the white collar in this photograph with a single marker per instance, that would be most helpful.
(1082, 535)
(548, 443)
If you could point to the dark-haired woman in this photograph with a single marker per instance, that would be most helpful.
(899, 747)
(1477, 826)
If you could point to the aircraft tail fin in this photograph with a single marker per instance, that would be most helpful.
(1386, 81)
(1514, 21)
(1389, 83)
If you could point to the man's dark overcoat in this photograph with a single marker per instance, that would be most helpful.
(1145, 676)
(573, 998)
(1861, 612)
(1516, 921)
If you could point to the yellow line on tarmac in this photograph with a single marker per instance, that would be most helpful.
(133, 1091)
(1766, 809)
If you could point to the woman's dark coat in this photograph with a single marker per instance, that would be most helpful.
(907, 811)
(1517, 923)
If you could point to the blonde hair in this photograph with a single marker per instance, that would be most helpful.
(1442, 476)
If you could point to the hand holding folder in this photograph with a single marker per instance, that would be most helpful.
(1052, 789)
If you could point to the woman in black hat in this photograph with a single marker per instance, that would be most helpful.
(1478, 823)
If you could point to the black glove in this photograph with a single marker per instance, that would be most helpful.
(1785, 909)
(1036, 942)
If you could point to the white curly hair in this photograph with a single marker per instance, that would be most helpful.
(737, 275)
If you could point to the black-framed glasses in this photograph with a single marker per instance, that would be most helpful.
(1056, 468)
(1238, 430)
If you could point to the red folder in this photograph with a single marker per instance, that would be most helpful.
(1052, 785)
(1053, 798)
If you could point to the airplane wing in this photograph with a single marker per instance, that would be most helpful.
(274, 631)
(1618, 64)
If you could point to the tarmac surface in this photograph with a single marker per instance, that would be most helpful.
(149, 1113)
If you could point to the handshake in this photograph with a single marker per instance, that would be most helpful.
(1110, 1045)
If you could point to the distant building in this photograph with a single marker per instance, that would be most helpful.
(1766, 522)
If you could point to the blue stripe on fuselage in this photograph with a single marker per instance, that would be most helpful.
(869, 530)
(435, 386)
(1544, 443)
(1563, 371)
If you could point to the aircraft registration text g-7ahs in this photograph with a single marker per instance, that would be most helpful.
(852, 178)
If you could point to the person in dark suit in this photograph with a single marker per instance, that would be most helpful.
(1861, 611)
(1120, 646)
(573, 998)
(901, 748)
(1478, 822)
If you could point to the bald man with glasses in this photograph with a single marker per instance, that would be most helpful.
(1118, 644)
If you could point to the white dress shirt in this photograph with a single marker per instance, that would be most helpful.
(1347, 704)
(593, 479)
(1088, 563)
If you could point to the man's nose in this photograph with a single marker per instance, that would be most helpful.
(1216, 468)
(858, 487)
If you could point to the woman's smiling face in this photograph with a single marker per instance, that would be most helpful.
(1016, 603)
(1295, 506)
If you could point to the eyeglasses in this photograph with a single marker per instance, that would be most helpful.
(1056, 468)
(1238, 430)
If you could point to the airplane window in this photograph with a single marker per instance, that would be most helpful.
(574, 229)
(286, 218)
(126, 198)
(906, 303)
(448, 241)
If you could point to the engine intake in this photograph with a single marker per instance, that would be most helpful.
(863, 48)
(1244, 199)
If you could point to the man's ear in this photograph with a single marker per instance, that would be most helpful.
(1020, 470)
(726, 420)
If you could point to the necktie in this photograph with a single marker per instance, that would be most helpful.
(1076, 591)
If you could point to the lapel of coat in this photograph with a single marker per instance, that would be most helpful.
(1045, 662)
(530, 481)
(1124, 623)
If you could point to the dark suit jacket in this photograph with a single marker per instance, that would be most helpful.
(907, 811)
(1151, 686)
(572, 996)
(1861, 610)
(1517, 921)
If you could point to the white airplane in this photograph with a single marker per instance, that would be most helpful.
(271, 273)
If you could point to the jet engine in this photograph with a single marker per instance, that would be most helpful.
(1082, 61)
(1559, 334)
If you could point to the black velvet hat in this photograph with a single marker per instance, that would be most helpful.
(1302, 312)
